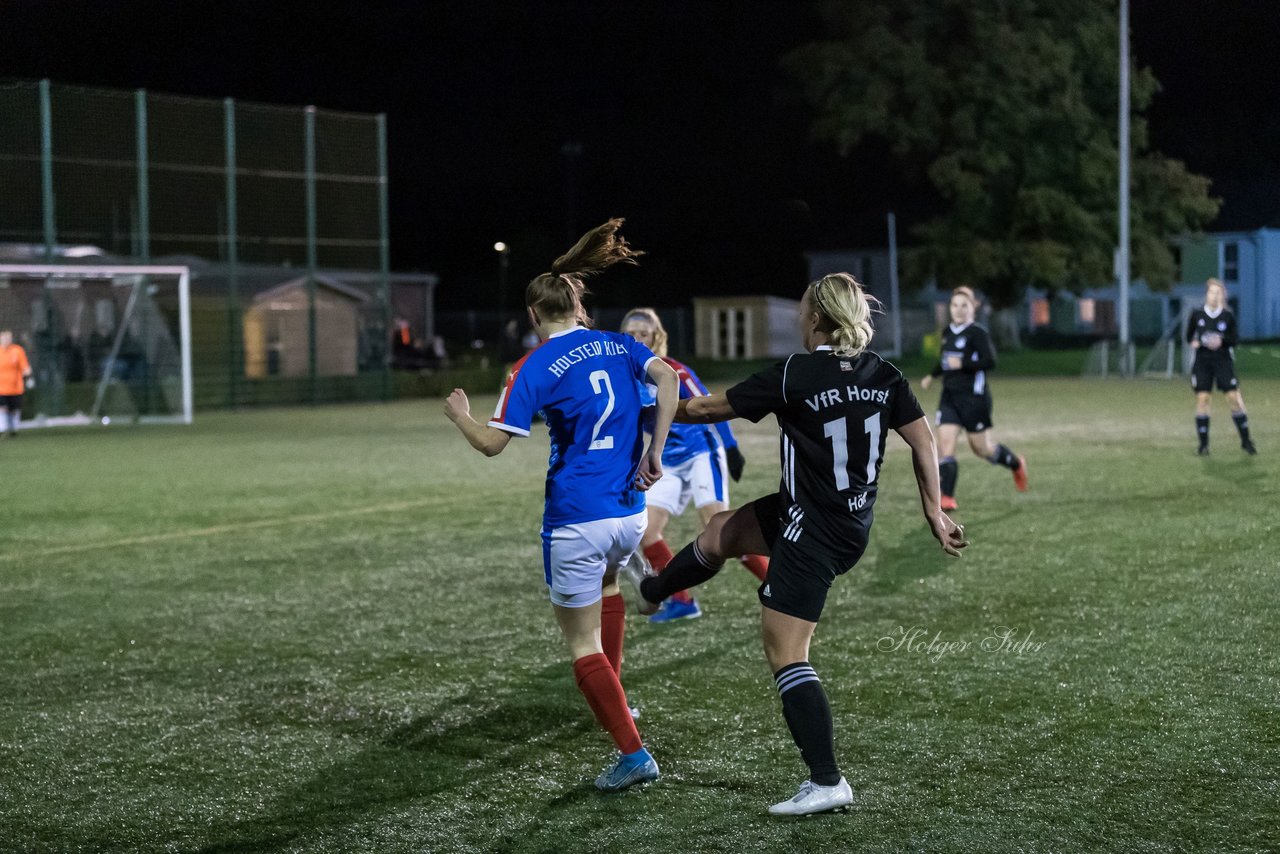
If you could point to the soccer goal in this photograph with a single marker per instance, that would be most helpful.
(106, 343)
(1171, 357)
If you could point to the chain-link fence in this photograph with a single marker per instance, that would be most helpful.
(281, 213)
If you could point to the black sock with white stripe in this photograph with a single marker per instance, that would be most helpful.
(1202, 430)
(1004, 457)
(948, 474)
(808, 714)
(689, 568)
(1242, 425)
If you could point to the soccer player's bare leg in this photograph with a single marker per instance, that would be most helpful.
(804, 702)
(1241, 419)
(595, 676)
(732, 532)
(1000, 455)
(757, 564)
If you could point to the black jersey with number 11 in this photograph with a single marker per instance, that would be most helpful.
(834, 413)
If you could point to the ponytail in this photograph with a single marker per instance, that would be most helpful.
(844, 310)
(558, 294)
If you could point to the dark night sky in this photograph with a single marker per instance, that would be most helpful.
(678, 106)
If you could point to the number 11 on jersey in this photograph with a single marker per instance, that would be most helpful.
(838, 433)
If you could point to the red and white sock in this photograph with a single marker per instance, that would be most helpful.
(613, 626)
(608, 702)
(758, 564)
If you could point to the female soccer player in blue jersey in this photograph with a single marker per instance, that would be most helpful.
(587, 384)
(696, 466)
(835, 405)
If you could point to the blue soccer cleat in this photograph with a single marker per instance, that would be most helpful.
(631, 768)
(673, 609)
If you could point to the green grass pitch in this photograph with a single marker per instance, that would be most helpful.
(326, 630)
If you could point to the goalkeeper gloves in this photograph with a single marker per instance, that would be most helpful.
(736, 461)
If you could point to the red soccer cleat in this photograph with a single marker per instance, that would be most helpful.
(1020, 475)
(948, 503)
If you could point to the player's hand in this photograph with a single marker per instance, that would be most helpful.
(31, 382)
(650, 472)
(1195, 345)
(948, 533)
(456, 405)
(927, 381)
(736, 462)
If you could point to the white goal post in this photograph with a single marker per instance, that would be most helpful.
(101, 340)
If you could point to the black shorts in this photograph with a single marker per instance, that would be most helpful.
(11, 402)
(970, 411)
(802, 569)
(1220, 369)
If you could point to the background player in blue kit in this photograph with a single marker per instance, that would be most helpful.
(697, 464)
(1212, 333)
(587, 384)
(835, 406)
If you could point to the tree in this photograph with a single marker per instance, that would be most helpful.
(1007, 108)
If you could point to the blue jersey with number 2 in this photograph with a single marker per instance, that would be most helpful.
(586, 383)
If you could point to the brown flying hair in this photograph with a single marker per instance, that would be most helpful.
(557, 295)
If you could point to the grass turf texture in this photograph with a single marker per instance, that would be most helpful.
(326, 630)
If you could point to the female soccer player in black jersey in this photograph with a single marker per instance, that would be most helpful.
(835, 406)
(1211, 332)
(966, 357)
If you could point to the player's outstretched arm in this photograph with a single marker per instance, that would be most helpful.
(668, 384)
(489, 441)
(924, 458)
(705, 410)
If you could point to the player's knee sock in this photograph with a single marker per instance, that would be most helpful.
(608, 702)
(758, 564)
(659, 556)
(1242, 424)
(687, 569)
(1202, 430)
(808, 714)
(1004, 457)
(948, 474)
(613, 626)
(12, 426)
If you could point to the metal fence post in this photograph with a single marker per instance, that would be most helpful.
(384, 256)
(234, 347)
(311, 250)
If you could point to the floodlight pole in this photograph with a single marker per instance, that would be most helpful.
(893, 285)
(1122, 253)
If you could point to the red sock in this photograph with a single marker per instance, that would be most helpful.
(659, 555)
(600, 685)
(613, 625)
(758, 564)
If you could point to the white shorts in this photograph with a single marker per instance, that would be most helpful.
(576, 556)
(704, 478)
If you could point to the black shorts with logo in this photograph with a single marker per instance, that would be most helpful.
(801, 565)
(1210, 369)
(970, 411)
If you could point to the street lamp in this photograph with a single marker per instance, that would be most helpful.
(504, 259)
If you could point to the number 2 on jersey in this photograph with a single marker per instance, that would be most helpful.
(839, 436)
(601, 385)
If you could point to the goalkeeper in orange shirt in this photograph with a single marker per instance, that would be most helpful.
(15, 377)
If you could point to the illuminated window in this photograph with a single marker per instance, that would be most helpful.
(1087, 309)
(1039, 313)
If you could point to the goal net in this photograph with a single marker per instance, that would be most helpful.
(106, 343)
(1170, 356)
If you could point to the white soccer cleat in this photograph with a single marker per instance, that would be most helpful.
(813, 798)
(636, 570)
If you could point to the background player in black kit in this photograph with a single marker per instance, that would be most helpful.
(835, 406)
(967, 355)
(1211, 332)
